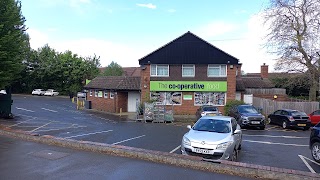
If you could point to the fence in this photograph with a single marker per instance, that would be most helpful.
(269, 106)
(273, 91)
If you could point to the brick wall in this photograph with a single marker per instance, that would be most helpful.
(231, 81)
(101, 103)
(175, 73)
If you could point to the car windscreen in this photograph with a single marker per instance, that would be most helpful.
(210, 108)
(247, 109)
(212, 125)
(298, 113)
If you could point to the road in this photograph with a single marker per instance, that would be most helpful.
(58, 117)
(28, 161)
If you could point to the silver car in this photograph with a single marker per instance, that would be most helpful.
(214, 138)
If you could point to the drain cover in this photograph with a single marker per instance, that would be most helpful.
(48, 154)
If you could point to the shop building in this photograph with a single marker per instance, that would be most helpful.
(189, 72)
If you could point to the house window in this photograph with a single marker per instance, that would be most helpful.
(209, 98)
(188, 71)
(105, 94)
(217, 70)
(159, 70)
(100, 93)
(96, 92)
(166, 98)
(111, 95)
(90, 92)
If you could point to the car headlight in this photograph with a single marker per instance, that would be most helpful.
(263, 117)
(186, 141)
(225, 145)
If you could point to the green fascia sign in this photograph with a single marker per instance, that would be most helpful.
(208, 86)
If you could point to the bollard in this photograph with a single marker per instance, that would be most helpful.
(120, 111)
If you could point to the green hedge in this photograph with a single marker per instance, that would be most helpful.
(230, 104)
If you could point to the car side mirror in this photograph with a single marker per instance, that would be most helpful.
(189, 127)
(237, 131)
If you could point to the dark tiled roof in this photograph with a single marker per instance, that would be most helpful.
(240, 85)
(188, 49)
(115, 83)
(256, 82)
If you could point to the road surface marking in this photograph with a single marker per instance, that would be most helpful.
(175, 149)
(290, 137)
(49, 110)
(20, 123)
(306, 163)
(40, 127)
(128, 139)
(87, 134)
(266, 142)
(24, 109)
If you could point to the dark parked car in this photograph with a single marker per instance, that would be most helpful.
(207, 110)
(314, 143)
(290, 118)
(247, 116)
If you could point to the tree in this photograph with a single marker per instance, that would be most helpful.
(294, 35)
(113, 69)
(14, 41)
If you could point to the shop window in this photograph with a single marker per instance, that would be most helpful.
(217, 70)
(96, 92)
(105, 94)
(210, 98)
(188, 71)
(90, 92)
(111, 95)
(159, 70)
(166, 98)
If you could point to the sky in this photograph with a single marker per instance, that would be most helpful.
(124, 31)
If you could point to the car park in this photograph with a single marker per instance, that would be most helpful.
(247, 116)
(314, 117)
(38, 92)
(207, 110)
(51, 92)
(214, 138)
(290, 118)
(314, 143)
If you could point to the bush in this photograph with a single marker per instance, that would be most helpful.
(231, 104)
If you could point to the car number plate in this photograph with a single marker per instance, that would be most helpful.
(202, 151)
(211, 114)
(255, 122)
(301, 124)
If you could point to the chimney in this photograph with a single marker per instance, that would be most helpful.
(264, 71)
(239, 70)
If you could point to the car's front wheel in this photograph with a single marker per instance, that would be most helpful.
(315, 151)
(234, 155)
(284, 125)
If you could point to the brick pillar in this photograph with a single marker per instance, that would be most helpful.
(231, 82)
(264, 71)
(145, 83)
(239, 70)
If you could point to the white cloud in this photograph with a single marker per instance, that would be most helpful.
(215, 29)
(37, 38)
(149, 5)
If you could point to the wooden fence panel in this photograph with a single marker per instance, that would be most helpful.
(269, 106)
(272, 91)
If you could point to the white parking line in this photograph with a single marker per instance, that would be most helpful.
(20, 123)
(306, 163)
(289, 137)
(40, 127)
(175, 149)
(24, 109)
(49, 110)
(266, 142)
(128, 139)
(87, 134)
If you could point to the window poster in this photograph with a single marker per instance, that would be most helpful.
(201, 98)
(167, 98)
